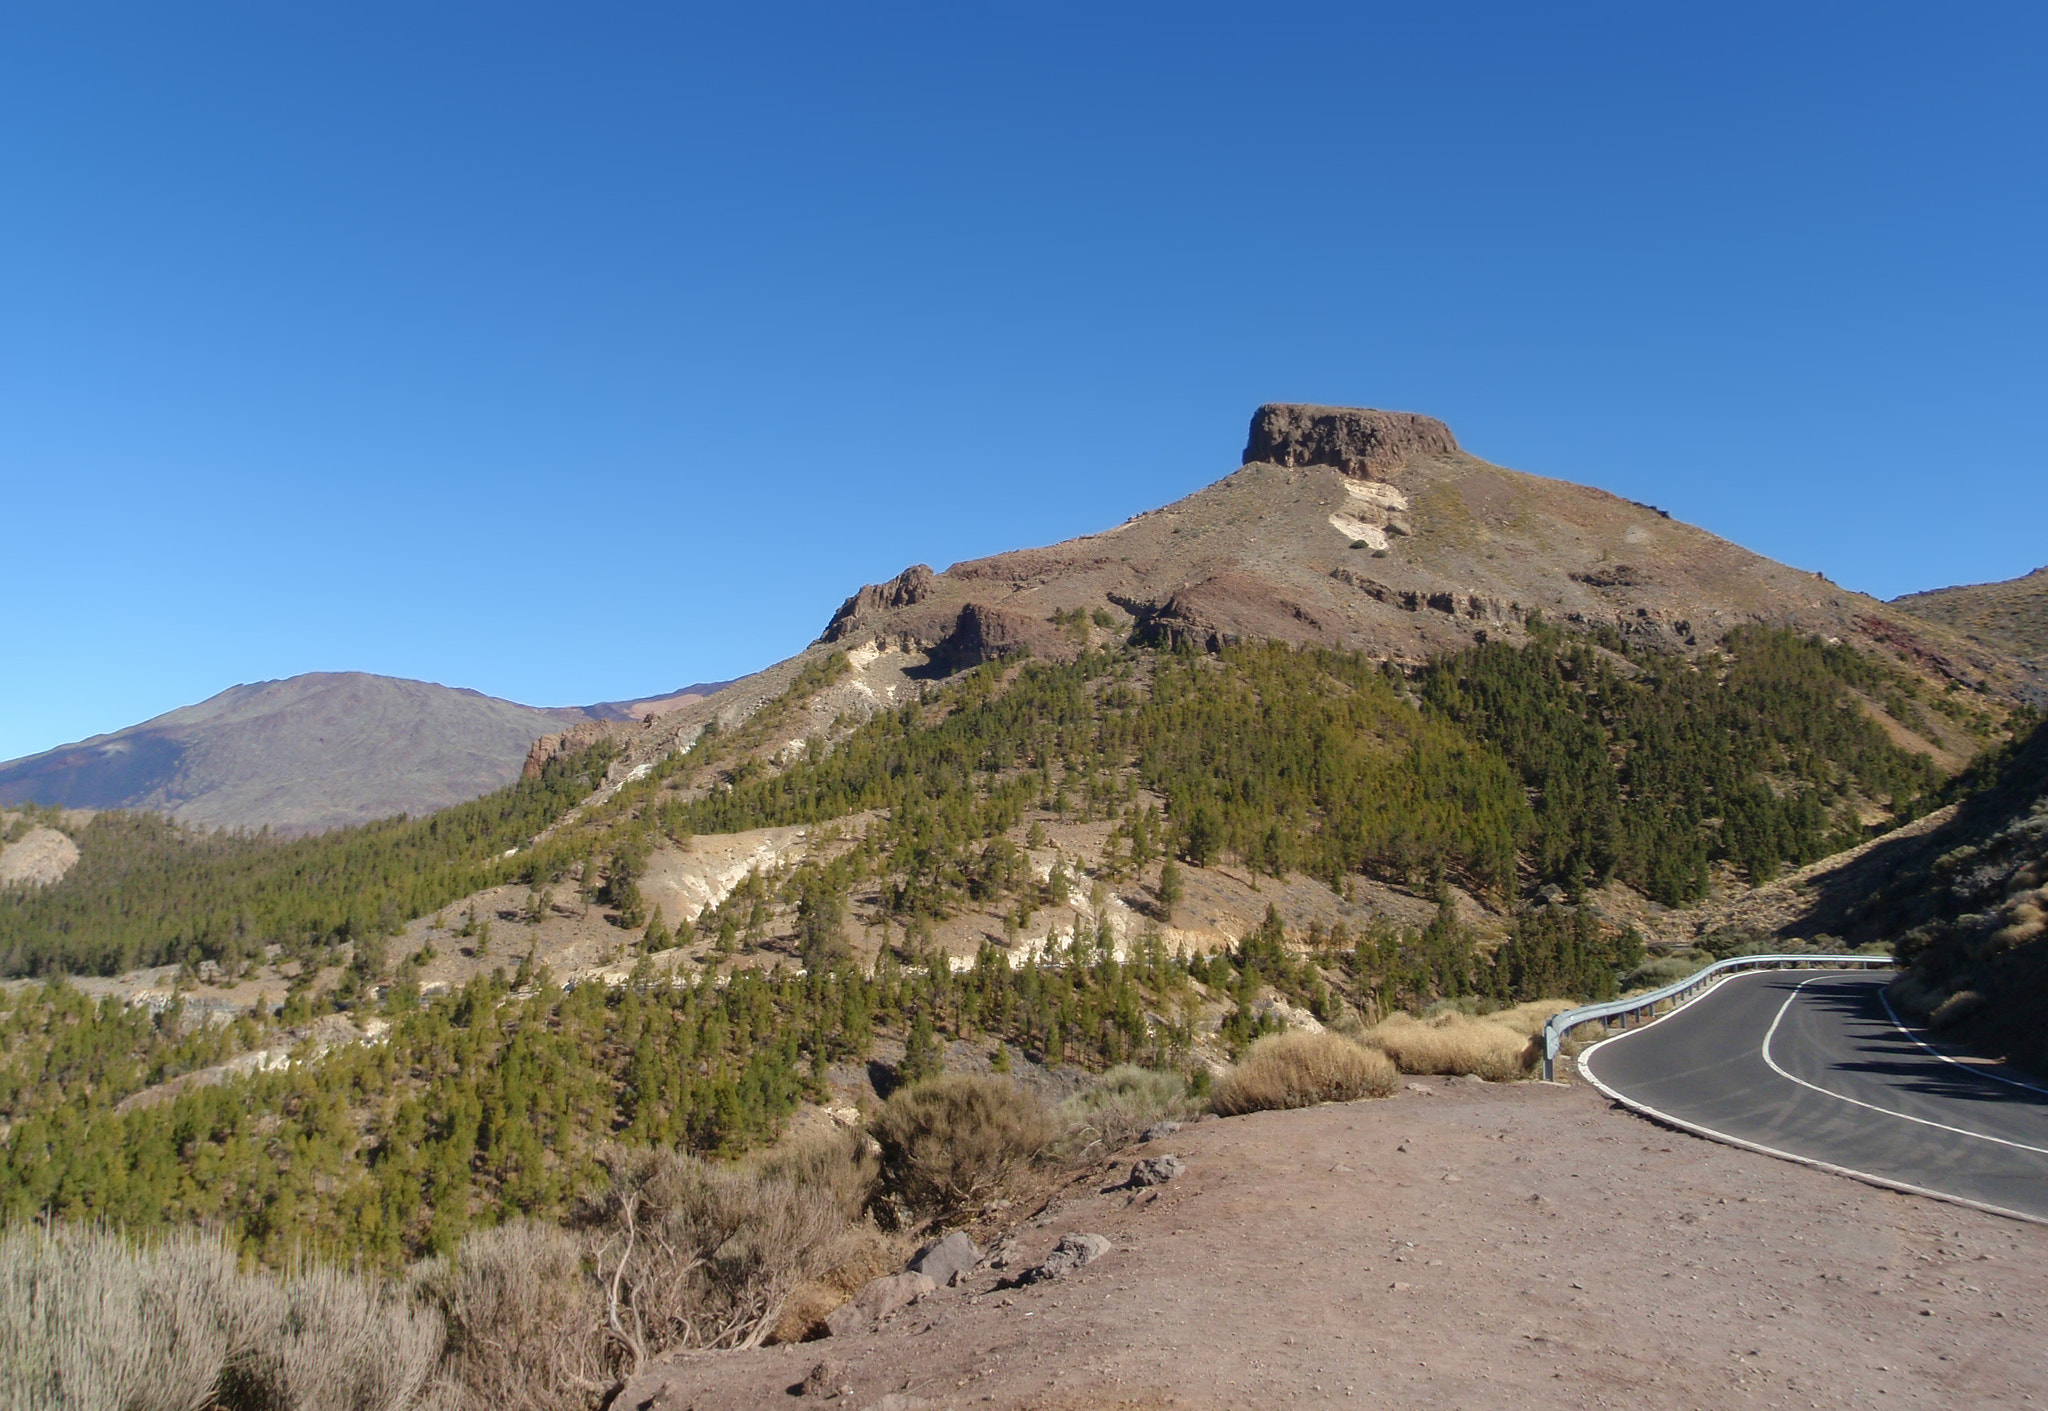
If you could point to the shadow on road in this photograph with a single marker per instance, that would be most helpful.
(1892, 1056)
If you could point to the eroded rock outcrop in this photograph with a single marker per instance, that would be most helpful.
(982, 633)
(912, 585)
(547, 747)
(1356, 440)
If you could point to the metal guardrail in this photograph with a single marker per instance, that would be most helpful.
(1690, 988)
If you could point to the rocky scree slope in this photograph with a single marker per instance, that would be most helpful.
(308, 753)
(2009, 617)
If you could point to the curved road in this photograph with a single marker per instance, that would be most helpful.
(1814, 1065)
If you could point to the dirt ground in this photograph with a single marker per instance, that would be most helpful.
(1472, 1245)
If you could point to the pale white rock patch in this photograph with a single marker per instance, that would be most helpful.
(1376, 492)
(1356, 529)
(41, 856)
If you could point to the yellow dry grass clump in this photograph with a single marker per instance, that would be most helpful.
(1498, 1047)
(1300, 1070)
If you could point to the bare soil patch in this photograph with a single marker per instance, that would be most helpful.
(1481, 1245)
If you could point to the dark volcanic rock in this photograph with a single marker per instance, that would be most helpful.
(912, 585)
(982, 633)
(1356, 440)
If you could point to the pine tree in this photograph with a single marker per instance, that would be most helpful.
(1168, 890)
(921, 1056)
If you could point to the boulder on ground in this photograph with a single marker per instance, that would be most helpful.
(1157, 1170)
(877, 1299)
(942, 1260)
(1068, 1255)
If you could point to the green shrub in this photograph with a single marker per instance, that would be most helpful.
(953, 1144)
(1109, 1114)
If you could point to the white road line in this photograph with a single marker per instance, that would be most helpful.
(1729, 1139)
(1765, 1050)
(1971, 1069)
(1885, 1182)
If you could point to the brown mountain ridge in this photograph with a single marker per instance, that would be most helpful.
(1361, 530)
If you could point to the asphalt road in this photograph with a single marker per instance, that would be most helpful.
(1813, 1065)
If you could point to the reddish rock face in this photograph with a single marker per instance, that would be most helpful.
(547, 747)
(983, 633)
(1356, 440)
(912, 585)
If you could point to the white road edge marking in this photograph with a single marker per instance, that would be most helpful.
(1728, 1139)
(1771, 1033)
(1973, 1071)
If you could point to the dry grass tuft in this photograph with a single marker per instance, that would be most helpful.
(1529, 1017)
(1956, 1008)
(525, 1322)
(1300, 1070)
(865, 1253)
(1455, 1043)
(952, 1144)
(805, 1311)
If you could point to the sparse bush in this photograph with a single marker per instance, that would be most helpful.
(1300, 1070)
(87, 1320)
(952, 1144)
(525, 1322)
(700, 1256)
(1108, 1115)
(346, 1343)
(841, 1164)
(1455, 1043)
(1665, 970)
(91, 1321)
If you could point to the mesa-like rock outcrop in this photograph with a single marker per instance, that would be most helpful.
(982, 633)
(1356, 440)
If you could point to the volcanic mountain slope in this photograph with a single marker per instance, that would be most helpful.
(309, 753)
(1362, 530)
(2010, 617)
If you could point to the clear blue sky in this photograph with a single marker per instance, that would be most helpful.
(577, 352)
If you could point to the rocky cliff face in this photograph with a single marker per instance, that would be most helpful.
(1356, 440)
(912, 585)
(547, 747)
